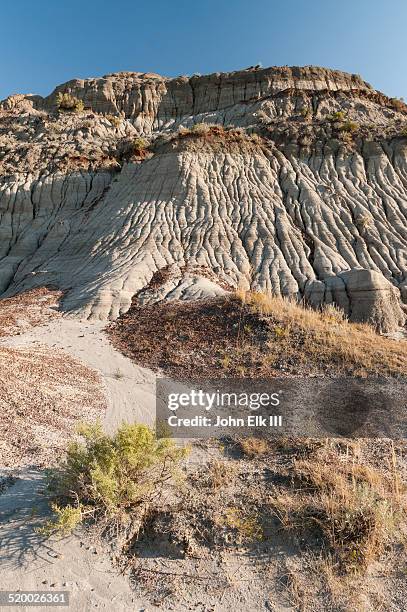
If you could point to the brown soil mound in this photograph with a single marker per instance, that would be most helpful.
(253, 335)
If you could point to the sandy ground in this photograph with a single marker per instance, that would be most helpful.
(27, 561)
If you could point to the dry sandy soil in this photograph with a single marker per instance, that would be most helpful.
(219, 545)
(61, 351)
(44, 392)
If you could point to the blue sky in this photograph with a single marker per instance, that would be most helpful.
(46, 42)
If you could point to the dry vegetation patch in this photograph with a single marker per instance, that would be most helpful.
(256, 335)
(352, 509)
(43, 394)
(307, 518)
(28, 309)
(213, 136)
(334, 509)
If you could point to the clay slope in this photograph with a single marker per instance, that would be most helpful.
(298, 186)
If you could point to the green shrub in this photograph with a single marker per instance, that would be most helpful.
(66, 102)
(114, 120)
(65, 521)
(139, 145)
(348, 126)
(111, 479)
(338, 116)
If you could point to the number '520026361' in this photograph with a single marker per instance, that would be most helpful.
(34, 598)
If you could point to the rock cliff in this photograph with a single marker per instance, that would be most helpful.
(290, 180)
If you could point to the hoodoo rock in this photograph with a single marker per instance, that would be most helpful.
(365, 296)
(288, 180)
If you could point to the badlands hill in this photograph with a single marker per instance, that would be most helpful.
(290, 180)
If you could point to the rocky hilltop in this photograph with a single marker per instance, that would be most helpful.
(290, 180)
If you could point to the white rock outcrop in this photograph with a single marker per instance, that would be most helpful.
(309, 200)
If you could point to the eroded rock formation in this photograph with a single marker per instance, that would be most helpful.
(299, 187)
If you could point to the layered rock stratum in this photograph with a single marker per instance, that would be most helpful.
(289, 180)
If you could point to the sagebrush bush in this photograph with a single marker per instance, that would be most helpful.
(67, 102)
(139, 145)
(348, 126)
(66, 519)
(111, 479)
(337, 116)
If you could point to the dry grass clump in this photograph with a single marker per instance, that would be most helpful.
(219, 474)
(333, 313)
(68, 103)
(348, 509)
(115, 120)
(326, 337)
(200, 129)
(252, 446)
(243, 526)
